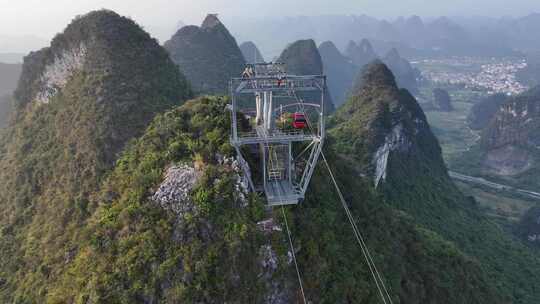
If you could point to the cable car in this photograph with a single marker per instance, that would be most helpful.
(299, 120)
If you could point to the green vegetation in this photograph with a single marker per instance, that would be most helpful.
(499, 205)
(452, 131)
(528, 228)
(472, 162)
(55, 155)
(80, 221)
(417, 183)
(419, 266)
(129, 249)
(134, 250)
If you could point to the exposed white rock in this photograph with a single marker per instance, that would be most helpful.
(419, 124)
(269, 259)
(395, 140)
(533, 237)
(242, 181)
(174, 192)
(57, 74)
(278, 292)
(268, 226)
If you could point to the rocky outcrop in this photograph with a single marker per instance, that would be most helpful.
(512, 138)
(208, 55)
(278, 290)
(396, 140)
(517, 122)
(174, 193)
(385, 125)
(251, 52)
(57, 73)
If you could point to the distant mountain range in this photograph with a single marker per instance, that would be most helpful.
(11, 57)
(22, 44)
(412, 36)
(344, 70)
(9, 75)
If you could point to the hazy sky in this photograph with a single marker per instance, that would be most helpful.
(44, 18)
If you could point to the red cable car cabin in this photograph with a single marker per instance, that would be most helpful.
(299, 120)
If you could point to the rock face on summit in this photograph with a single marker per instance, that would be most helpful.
(516, 123)
(339, 70)
(208, 55)
(302, 58)
(513, 134)
(77, 104)
(381, 122)
(251, 52)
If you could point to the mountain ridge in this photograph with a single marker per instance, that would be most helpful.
(78, 103)
(402, 157)
(208, 55)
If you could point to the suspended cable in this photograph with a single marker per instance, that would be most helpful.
(293, 253)
(379, 282)
(375, 273)
(271, 163)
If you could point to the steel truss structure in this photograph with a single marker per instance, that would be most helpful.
(281, 158)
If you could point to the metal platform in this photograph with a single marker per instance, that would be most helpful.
(277, 84)
(282, 193)
(261, 135)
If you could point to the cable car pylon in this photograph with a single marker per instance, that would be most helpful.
(271, 112)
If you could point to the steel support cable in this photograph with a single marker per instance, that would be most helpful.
(289, 234)
(379, 282)
(292, 251)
